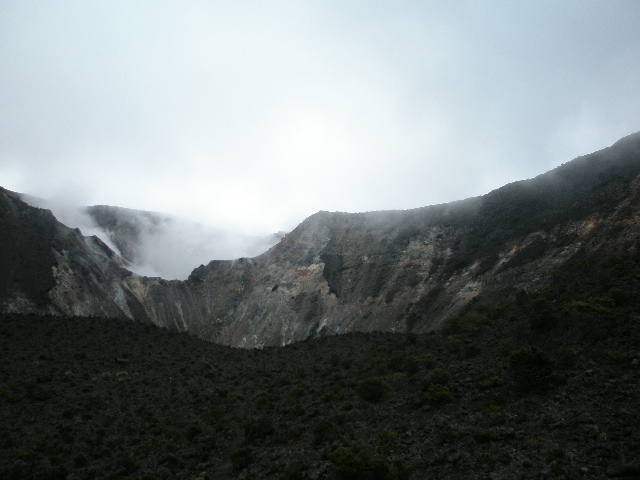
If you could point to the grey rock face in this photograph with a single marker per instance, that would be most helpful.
(338, 272)
(50, 268)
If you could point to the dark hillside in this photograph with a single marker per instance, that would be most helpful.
(25, 250)
(588, 187)
(545, 385)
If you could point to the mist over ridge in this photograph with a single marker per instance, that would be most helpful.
(397, 270)
(162, 245)
(156, 244)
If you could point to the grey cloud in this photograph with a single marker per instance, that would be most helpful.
(260, 114)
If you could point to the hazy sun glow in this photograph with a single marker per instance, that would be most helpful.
(310, 141)
(263, 113)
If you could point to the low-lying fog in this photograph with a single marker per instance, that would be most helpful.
(155, 244)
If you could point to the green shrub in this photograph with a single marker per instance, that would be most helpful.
(483, 436)
(127, 464)
(80, 461)
(324, 431)
(412, 365)
(530, 363)
(620, 296)
(256, 430)
(386, 437)
(472, 350)
(57, 472)
(397, 362)
(334, 360)
(427, 360)
(265, 399)
(401, 471)
(494, 412)
(295, 473)
(298, 392)
(438, 394)
(193, 430)
(530, 367)
(373, 389)
(335, 394)
(596, 309)
(412, 337)
(492, 382)
(242, 458)
(440, 376)
(358, 464)
(541, 316)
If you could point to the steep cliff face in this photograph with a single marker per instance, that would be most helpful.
(48, 267)
(414, 269)
(338, 272)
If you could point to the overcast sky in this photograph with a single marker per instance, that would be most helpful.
(260, 113)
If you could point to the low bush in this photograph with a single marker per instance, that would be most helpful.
(324, 431)
(358, 464)
(492, 382)
(438, 394)
(440, 376)
(242, 458)
(530, 367)
(373, 390)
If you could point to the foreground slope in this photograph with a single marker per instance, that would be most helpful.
(541, 387)
(338, 272)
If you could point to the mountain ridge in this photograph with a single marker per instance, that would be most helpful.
(388, 270)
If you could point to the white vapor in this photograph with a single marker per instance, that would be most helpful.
(71, 215)
(255, 115)
(174, 247)
(165, 246)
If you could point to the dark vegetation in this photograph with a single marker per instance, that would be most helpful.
(595, 184)
(27, 258)
(541, 385)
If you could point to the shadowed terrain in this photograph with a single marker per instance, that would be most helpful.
(544, 385)
(495, 338)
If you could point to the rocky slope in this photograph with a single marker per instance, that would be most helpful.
(338, 272)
